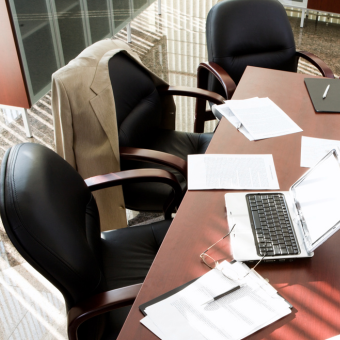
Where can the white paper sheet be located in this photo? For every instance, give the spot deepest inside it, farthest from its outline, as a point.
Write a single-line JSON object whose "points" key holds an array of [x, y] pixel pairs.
{"points": [[319, 198], [231, 172], [337, 337], [234, 316], [262, 118], [314, 149], [225, 111], [148, 323]]}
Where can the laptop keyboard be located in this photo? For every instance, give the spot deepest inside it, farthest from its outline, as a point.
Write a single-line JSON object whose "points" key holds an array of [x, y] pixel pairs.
{"points": [[271, 224]]}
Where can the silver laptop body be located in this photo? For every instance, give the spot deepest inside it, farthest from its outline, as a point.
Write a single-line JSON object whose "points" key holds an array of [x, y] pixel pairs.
{"points": [[313, 204]]}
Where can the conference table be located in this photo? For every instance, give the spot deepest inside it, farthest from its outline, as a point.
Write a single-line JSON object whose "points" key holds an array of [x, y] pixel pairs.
{"points": [[312, 285]]}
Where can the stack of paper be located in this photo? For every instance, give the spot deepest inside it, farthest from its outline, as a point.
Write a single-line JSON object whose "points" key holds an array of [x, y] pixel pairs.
{"points": [[185, 315], [252, 172], [257, 118]]}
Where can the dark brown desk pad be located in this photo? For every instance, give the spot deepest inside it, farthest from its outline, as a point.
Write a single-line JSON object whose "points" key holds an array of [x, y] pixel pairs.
{"points": [[316, 89]]}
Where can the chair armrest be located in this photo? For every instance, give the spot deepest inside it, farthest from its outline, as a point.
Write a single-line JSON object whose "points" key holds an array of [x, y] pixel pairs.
{"points": [[317, 62], [201, 95], [221, 75], [153, 156], [141, 176], [229, 86], [191, 92], [99, 304]]}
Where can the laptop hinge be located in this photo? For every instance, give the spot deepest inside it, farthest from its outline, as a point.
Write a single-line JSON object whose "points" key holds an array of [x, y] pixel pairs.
{"points": [[303, 226]]}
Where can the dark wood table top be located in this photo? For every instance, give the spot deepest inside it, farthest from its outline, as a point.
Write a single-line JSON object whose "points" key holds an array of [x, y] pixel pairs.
{"points": [[311, 285]]}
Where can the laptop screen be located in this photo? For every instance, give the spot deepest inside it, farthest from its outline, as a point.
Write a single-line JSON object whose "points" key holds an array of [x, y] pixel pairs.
{"points": [[319, 197]]}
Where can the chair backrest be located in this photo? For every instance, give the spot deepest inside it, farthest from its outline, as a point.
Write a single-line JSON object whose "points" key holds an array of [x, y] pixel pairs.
{"points": [[249, 32], [138, 105], [52, 219]]}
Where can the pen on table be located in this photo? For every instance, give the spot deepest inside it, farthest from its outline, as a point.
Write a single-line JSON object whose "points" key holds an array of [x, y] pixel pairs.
{"points": [[239, 126], [326, 91], [221, 295]]}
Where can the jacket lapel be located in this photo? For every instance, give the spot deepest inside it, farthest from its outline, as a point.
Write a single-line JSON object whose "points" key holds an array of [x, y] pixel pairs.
{"points": [[104, 107], [103, 104]]}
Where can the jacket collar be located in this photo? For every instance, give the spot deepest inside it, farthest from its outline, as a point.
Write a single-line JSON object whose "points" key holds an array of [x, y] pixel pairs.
{"points": [[102, 77]]}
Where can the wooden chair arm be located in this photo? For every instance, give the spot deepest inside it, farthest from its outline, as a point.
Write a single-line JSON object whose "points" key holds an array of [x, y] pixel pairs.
{"points": [[317, 62], [191, 92], [99, 304], [154, 156], [203, 71], [221, 75], [201, 95], [141, 176]]}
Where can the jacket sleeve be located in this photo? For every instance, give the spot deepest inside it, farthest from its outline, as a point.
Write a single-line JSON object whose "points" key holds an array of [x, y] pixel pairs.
{"points": [[62, 119]]}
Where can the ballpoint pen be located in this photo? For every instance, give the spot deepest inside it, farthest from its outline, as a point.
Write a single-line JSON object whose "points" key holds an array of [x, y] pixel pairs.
{"points": [[326, 91], [221, 295], [239, 126]]}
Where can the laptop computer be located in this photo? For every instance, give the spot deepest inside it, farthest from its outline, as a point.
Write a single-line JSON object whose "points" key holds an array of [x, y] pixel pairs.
{"points": [[288, 224]]}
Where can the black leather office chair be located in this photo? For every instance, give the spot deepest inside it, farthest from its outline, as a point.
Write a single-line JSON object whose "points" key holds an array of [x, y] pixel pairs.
{"points": [[139, 112], [248, 32], [52, 219]]}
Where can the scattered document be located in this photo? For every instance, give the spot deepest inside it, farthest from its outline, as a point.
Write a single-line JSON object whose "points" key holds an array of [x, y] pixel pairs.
{"points": [[337, 337], [225, 111], [314, 149], [260, 118], [148, 323], [234, 316], [251, 172]]}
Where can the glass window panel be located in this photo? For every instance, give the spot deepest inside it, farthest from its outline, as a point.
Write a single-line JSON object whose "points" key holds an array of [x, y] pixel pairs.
{"points": [[137, 4], [71, 27], [121, 11], [39, 55], [99, 18]]}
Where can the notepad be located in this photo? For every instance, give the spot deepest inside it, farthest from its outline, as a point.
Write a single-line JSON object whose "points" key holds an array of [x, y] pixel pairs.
{"points": [[316, 88], [234, 316]]}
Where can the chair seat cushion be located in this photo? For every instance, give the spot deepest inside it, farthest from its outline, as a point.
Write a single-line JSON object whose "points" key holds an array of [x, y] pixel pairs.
{"points": [[114, 323], [151, 196], [127, 256], [128, 253], [180, 143]]}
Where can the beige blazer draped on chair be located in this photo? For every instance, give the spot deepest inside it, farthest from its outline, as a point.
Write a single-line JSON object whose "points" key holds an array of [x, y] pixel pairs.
{"points": [[85, 124]]}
